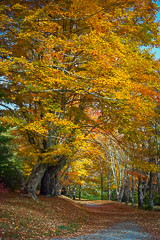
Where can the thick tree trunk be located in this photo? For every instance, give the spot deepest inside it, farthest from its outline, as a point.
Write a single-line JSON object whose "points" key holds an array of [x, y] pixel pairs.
{"points": [[50, 183], [31, 185]]}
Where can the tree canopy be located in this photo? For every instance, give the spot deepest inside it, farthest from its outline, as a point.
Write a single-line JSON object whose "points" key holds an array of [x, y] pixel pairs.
{"points": [[70, 67]]}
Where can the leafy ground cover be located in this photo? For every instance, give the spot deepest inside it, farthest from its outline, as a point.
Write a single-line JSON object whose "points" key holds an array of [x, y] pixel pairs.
{"points": [[23, 218]]}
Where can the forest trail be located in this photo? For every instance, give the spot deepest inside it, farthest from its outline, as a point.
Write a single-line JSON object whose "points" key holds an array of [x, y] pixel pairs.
{"points": [[110, 220], [64, 218]]}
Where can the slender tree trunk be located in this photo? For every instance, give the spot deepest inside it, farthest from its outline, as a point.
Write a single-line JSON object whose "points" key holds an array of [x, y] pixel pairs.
{"points": [[141, 192], [150, 184], [158, 182], [80, 190], [151, 202], [120, 192], [109, 191], [59, 188], [74, 192], [158, 175], [127, 188], [101, 186], [69, 192], [132, 192], [108, 184]]}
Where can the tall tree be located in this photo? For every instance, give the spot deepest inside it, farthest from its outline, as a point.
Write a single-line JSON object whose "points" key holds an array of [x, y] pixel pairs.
{"points": [[58, 59]]}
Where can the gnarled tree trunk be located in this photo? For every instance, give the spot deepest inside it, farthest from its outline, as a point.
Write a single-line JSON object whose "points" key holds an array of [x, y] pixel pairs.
{"points": [[50, 183], [31, 184]]}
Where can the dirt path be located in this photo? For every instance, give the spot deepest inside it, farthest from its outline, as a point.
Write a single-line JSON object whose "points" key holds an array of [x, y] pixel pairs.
{"points": [[61, 217], [110, 220], [122, 231]]}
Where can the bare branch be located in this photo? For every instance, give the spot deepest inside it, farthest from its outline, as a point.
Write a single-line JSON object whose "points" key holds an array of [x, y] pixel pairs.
{"points": [[68, 18], [10, 109]]}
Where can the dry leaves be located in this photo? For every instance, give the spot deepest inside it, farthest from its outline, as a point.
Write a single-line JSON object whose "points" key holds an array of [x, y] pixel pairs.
{"points": [[23, 218]]}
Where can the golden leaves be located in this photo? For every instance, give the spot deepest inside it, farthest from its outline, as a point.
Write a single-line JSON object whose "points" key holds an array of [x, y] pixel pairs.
{"points": [[56, 56]]}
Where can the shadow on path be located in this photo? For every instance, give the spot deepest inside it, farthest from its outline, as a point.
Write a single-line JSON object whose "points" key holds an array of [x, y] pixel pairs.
{"points": [[121, 231]]}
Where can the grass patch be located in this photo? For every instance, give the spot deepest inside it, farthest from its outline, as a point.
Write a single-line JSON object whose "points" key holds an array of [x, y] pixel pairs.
{"points": [[70, 228]]}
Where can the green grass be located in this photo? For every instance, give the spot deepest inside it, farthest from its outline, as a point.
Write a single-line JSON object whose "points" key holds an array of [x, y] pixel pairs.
{"points": [[70, 228]]}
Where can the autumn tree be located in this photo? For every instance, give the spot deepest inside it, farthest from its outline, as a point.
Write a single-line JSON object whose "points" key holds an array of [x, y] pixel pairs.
{"points": [[61, 58]]}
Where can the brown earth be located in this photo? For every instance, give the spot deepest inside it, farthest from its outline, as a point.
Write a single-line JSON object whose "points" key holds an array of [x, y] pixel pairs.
{"points": [[23, 218]]}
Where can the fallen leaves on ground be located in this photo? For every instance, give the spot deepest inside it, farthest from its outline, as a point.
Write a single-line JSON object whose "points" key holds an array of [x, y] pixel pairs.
{"points": [[52, 217]]}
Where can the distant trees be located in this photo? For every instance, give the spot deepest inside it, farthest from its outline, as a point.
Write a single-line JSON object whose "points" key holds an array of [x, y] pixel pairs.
{"points": [[9, 164], [108, 168]]}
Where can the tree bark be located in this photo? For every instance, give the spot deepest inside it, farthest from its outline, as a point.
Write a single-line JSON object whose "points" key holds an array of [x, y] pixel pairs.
{"points": [[141, 192], [132, 192], [127, 183], [101, 186], [120, 192], [74, 192], [31, 185], [80, 190], [108, 184], [69, 192], [50, 183], [151, 203], [158, 182]]}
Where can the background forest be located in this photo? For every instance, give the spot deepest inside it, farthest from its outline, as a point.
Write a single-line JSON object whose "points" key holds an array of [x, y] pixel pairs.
{"points": [[79, 99]]}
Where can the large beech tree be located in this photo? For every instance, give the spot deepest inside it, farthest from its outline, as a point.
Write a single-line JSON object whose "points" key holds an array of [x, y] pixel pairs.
{"points": [[60, 58]]}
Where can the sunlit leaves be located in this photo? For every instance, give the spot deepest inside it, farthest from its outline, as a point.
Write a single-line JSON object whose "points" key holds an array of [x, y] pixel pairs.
{"points": [[73, 67]]}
